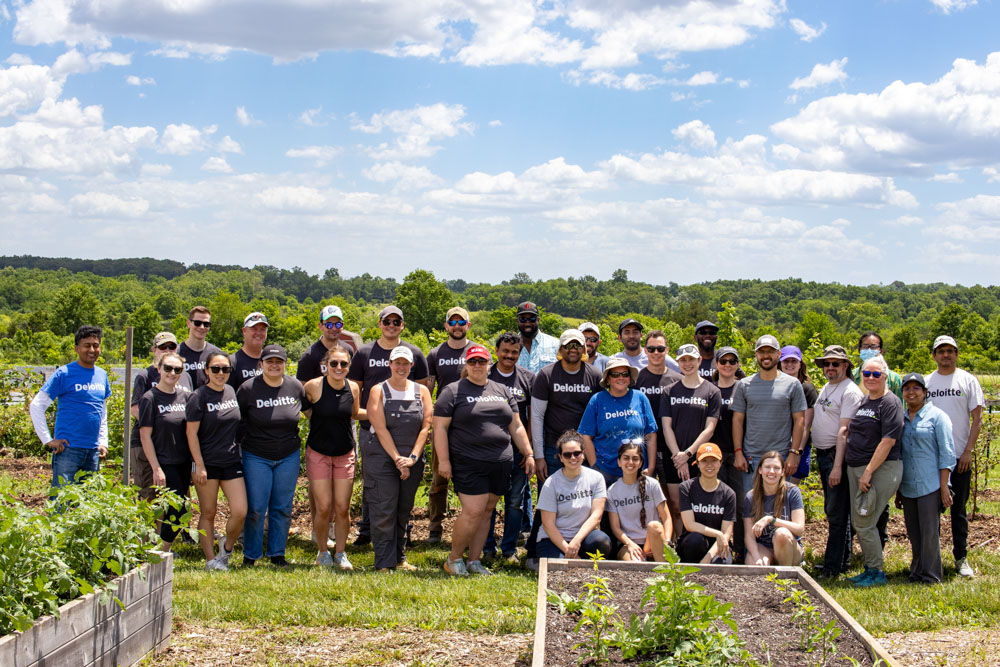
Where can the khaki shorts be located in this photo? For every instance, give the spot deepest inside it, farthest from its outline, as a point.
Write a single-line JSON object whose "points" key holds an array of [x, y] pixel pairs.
{"points": [[142, 473]]}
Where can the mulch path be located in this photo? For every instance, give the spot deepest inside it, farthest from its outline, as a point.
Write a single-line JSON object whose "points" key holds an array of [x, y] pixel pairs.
{"points": [[761, 618]]}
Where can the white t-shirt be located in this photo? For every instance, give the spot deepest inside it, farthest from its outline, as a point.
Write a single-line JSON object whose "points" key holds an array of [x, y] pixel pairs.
{"points": [[958, 394], [570, 499], [835, 402], [623, 499]]}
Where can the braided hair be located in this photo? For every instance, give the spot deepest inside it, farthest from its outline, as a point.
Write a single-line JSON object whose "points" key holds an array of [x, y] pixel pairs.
{"points": [[622, 450]]}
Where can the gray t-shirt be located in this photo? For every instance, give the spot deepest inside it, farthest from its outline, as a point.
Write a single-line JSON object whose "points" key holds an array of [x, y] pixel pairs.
{"points": [[623, 499], [768, 406], [570, 499]]}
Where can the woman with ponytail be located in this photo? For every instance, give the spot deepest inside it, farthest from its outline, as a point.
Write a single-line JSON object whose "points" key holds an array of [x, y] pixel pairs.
{"points": [[632, 502]]}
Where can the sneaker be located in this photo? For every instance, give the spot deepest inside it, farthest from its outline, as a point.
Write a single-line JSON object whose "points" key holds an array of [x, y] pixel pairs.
{"points": [[216, 564], [823, 574], [384, 570], [362, 539], [408, 540], [476, 567], [279, 561], [456, 568], [861, 577], [223, 555], [531, 564], [511, 558], [522, 538], [330, 544], [406, 566], [248, 562], [964, 569], [324, 558], [434, 537], [340, 560], [875, 578]]}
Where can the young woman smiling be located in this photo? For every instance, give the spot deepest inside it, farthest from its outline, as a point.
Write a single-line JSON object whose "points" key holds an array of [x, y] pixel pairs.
{"points": [[774, 516], [637, 509]]}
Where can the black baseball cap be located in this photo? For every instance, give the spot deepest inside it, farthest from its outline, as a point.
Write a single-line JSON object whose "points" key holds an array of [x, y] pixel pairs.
{"points": [[527, 307], [628, 322], [272, 351], [705, 324]]}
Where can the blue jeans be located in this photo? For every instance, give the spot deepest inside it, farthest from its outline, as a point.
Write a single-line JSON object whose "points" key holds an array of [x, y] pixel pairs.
{"points": [[596, 541], [513, 511], [72, 460], [270, 488]]}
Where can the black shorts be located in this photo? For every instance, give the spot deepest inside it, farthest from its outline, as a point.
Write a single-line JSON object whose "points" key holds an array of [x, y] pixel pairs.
{"points": [[178, 477], [667, 471], [475, 477], [224, 473]]}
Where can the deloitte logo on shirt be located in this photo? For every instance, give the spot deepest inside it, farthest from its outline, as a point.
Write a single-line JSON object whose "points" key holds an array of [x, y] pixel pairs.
{"points": [[276, 402], [174, 407], [865, 412], [708, 509], [90, 386], [658, 389], [457, 361], [621, 413], [570, 388], [250, 373], [220, 406], [576, 495], [625, 502], [485, 399], [942, 393], [727, 401], [196, 366], [374, 363], [689, 400]]}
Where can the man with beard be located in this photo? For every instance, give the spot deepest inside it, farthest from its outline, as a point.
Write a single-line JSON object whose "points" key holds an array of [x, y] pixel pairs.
{"points": [[768, 413], [630, 335], [705, 336], [592, 336], [246, 360], [331, 324], [538, 349], [445, 363], [653, 380]]}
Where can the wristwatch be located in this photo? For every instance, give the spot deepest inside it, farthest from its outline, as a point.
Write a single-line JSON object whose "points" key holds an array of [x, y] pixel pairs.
{"points": [[797, 452], [413, 457]]}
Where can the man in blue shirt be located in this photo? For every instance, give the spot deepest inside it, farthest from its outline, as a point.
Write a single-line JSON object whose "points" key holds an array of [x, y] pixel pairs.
{"points": [[538, 349], [82, 389]]}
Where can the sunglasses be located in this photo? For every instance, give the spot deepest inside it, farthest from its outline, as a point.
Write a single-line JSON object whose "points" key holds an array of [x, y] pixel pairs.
{"points": [[167, 346], [338, 364], [392, 323], [656, 348], [476, 361], [830, 364], [333, 325], [592, 339], [201, 323], [728, 362], [872, 374], [619, 374], [176, 370], [221, 369], [573, 346], [572, 455], [527, 318], [457, 323]]}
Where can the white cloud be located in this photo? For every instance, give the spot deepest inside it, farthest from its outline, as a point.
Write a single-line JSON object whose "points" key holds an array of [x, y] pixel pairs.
{"points": [[821, 75], [991, 174], [320, 155], [695, 133], [806, 32], [25, 86], [19, 59], [905, 221], [416, 129], [950, 177], [133, 80], [218, 165], [608, 79], [292, 199], [406, 177], [495, 123], [228, 145], [702, 79], [949, 6], [184, 139], [244, 118], [311, 117], [101, 204]]}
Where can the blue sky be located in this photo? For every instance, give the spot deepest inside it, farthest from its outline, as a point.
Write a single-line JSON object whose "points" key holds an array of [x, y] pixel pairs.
{"points": [[856, 141]]}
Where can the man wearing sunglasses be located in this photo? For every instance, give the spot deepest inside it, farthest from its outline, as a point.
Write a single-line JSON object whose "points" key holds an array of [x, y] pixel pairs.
{"points": [[196, 349], [836, 405], [246, 360], [444, 364], [959, 394], [538, 348], [705, 336], [331, 326], [592, 336]]}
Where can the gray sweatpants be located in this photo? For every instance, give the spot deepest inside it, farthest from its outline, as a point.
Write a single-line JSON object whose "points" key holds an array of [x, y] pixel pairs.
{"points": [[390, 500], [885, 481]]}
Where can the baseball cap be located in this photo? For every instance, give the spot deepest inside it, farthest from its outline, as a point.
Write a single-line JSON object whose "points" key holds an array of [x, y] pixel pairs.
{"points": [[944, 340], [273, 350], [705, 324], [164, 337], [688, 350], [401, 352], [477, 352], [709, 450], [390, 310], [790, 352], [527, 307], [589, 326], [330, 311], [914, 377], [570, 335], [457, 310], [723, 351], [627, 322], [254, 318], [767, 340]]}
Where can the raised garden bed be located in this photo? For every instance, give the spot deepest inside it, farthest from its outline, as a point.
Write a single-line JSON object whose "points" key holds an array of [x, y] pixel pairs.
{"points": [[88, 633], [763, 622]]}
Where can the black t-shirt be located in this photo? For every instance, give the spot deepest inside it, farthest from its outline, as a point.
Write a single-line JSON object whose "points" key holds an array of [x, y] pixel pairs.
{"points": [[706, 367], [371, 366], [480, 419], [146, 380], [567, 395], [194, 362], [710, 508], [270, 417], [811, 396], [219, 417], [165, 414], [445, 363], [723, 435], [244, 368], [874, 420], [311, 361], [519, 384], [653, 386], [331, 432], [689, 409]]}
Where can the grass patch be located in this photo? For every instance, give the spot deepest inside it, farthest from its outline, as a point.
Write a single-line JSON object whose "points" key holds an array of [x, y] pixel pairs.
{"points": [[23, 485]]}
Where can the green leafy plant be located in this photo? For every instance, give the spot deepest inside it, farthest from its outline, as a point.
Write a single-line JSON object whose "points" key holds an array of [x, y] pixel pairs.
{"points": [[597, 618], [813, 634]]}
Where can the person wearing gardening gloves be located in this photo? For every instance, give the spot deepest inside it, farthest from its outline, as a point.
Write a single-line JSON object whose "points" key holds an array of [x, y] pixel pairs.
{"points": [[708, 511]]}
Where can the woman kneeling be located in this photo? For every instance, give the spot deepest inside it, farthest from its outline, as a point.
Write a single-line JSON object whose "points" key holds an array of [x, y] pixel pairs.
{"points": [[774, 516], [632, 499]]}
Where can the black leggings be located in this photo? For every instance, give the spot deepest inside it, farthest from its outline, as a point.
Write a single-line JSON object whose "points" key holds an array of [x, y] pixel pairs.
{"points": [[178, 479]]}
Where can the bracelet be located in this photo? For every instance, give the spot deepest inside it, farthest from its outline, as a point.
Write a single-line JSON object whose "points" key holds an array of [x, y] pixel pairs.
{"points": [[737, 449]]}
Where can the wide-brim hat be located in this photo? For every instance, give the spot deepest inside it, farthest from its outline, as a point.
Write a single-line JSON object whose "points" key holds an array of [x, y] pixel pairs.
{"points": [[834, 353], [618, 362]]}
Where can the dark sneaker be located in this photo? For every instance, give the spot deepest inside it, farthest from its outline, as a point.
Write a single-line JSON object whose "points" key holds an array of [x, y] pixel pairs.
{"points": [[279, 561], [362, 540], [875, 578], [434, 537], [248, 562]]}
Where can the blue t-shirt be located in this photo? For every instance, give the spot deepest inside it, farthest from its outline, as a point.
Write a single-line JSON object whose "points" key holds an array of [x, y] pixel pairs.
{"points": [[612, 421], [81, 393]]}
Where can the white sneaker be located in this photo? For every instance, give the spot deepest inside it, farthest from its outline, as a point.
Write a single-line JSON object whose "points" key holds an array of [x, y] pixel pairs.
{"points": [[476, 567], [456, 568], [340, 560], [223, 556], [216, 564], [964, 569], [324, 558]]}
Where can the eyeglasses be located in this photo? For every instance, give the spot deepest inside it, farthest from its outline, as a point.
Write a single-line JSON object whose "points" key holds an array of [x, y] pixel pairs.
{"points": [[338, 364], [591, 339], [728, 362], [167, 346], [573, 345], [392, 323], [221, 369], [572, 455], [656, 348], [876, 346], [872, 374], [476, 361], [201, 323], [619, 374], [457, 323], [176, 370], [333, 325], [913, 386], [830, 364], [527, 318]]}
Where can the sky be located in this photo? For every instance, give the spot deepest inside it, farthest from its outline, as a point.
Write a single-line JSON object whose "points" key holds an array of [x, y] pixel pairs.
{"points": [[682, 140]]}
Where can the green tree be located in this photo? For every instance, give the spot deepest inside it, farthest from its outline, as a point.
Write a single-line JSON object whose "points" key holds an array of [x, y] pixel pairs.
{"points": [[424, 301], [146, 323], [72, 307], [227, 319], [949, 321], [811, 325]]}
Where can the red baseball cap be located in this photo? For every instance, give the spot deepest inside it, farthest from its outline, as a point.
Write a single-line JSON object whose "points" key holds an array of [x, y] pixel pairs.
{"points": [[477, 352]]}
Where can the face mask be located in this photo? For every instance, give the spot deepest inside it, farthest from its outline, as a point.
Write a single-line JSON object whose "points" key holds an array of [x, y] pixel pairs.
{"points": [[866, 355]]}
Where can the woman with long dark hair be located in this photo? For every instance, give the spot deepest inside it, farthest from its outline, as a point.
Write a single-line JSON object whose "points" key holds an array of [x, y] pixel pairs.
{"points": [[637, 510]]}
